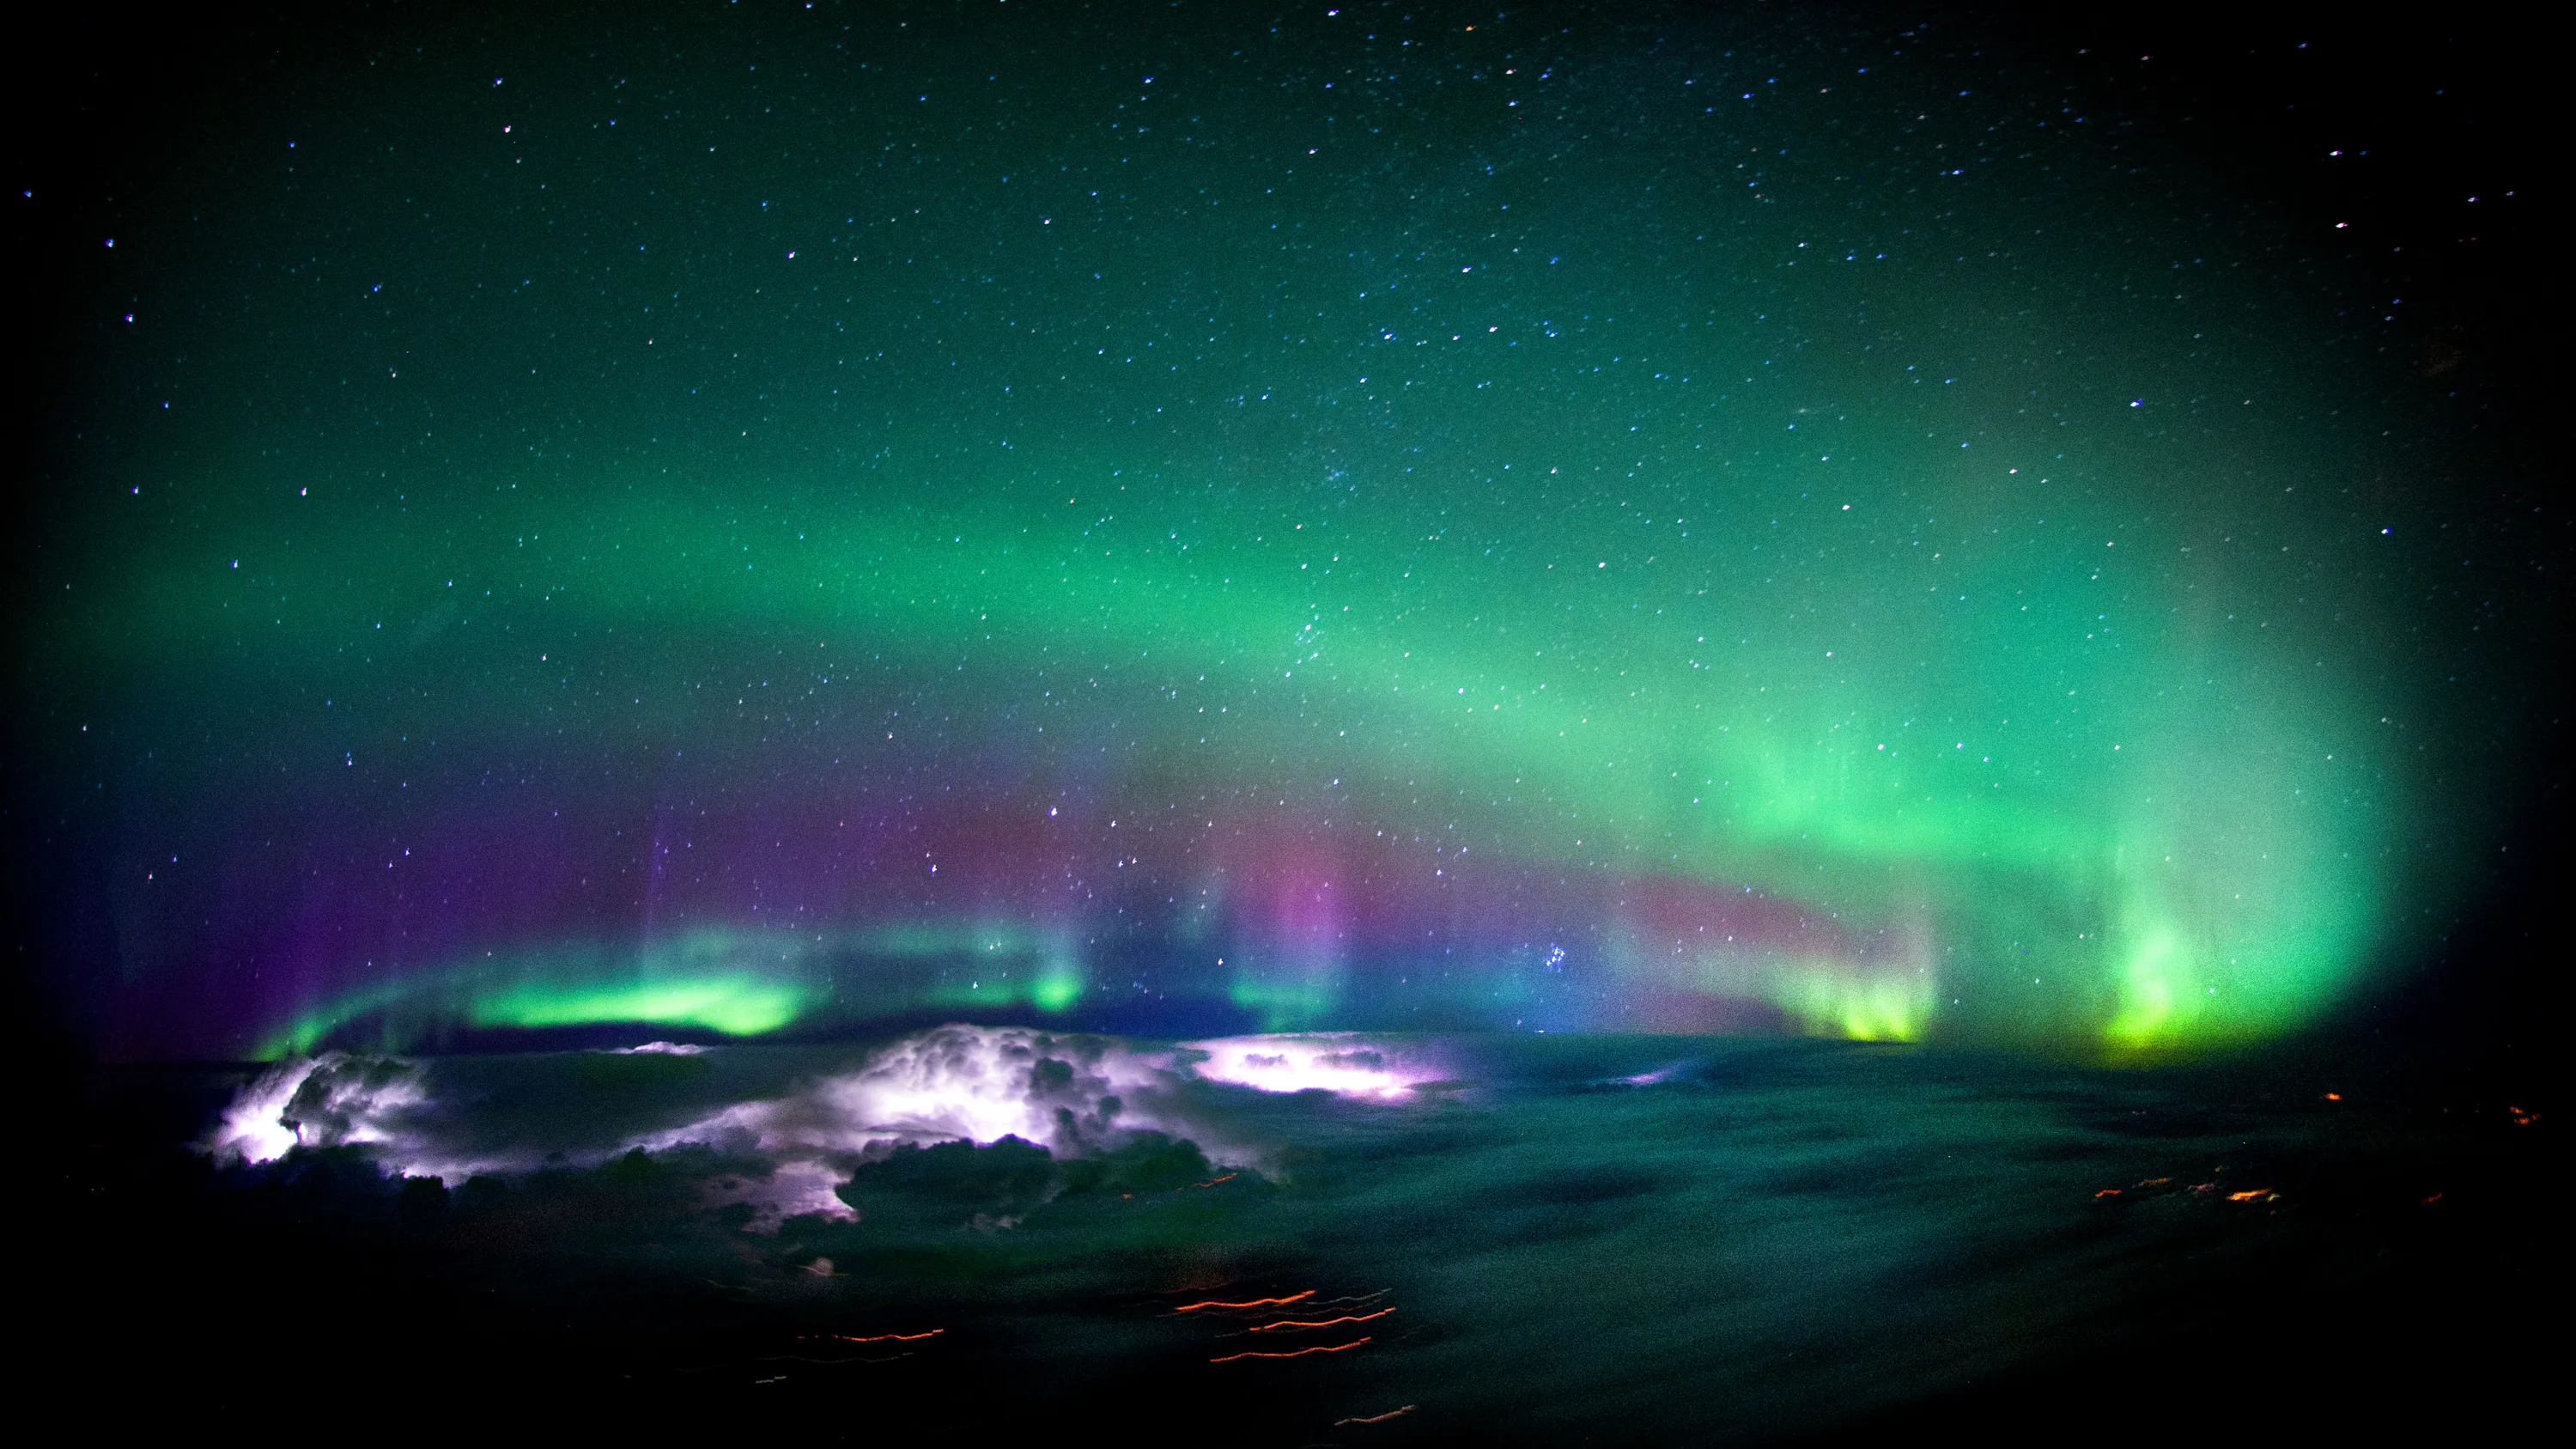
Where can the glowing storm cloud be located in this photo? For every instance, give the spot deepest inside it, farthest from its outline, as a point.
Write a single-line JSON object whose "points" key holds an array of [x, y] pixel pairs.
{"points": [[1344, 1064], [1075, 1095]]}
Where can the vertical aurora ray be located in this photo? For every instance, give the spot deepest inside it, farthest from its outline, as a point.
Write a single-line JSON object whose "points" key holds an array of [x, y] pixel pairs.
{"points": [[1609, 560]]}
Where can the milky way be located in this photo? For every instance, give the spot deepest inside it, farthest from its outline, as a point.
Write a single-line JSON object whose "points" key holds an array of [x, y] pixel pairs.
{"points": [[790, 521]]}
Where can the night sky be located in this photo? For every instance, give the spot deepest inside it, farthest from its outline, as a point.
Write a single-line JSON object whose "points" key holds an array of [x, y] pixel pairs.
{"points": [[771, 519]]}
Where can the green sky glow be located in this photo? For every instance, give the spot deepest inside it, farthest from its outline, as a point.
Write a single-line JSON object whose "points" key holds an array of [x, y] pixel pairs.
{"points": [[1982, 557]]}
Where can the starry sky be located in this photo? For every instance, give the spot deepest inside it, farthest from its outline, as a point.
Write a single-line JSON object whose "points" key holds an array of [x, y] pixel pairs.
{"points": [[774, 519]]}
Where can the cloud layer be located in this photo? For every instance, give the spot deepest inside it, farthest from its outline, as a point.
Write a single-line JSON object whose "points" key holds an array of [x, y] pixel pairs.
{"points": [[797, 1141]]}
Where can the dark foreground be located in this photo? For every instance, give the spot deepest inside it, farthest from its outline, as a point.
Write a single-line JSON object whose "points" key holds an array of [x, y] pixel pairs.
{"points": [[1565, 1241]]}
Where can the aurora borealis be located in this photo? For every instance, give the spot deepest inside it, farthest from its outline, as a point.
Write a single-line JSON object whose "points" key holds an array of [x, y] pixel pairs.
{"points": [[769, 520], [1619, 722]]}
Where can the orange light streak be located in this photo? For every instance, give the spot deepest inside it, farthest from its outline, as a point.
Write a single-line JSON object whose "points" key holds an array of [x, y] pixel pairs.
{"points": [[1377, 1418], [1322, 1322], [884, 1337], [1295, 1353], [1211, 1182], [1248, 1303], [2108, 1192], [2252, 1193]]}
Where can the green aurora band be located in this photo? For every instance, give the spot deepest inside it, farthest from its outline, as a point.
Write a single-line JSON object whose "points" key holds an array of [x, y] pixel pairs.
{"points": [[1987, 562]]}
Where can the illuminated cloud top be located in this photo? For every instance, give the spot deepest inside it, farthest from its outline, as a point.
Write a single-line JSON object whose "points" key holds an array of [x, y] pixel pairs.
{"points": [[799, 1136]]}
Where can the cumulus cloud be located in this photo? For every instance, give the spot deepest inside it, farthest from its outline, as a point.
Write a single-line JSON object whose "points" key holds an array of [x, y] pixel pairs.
{"points": [[1073, 1095], [975, 1084], [1077, 1096], [1343, 1063], [333, 1100]]}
